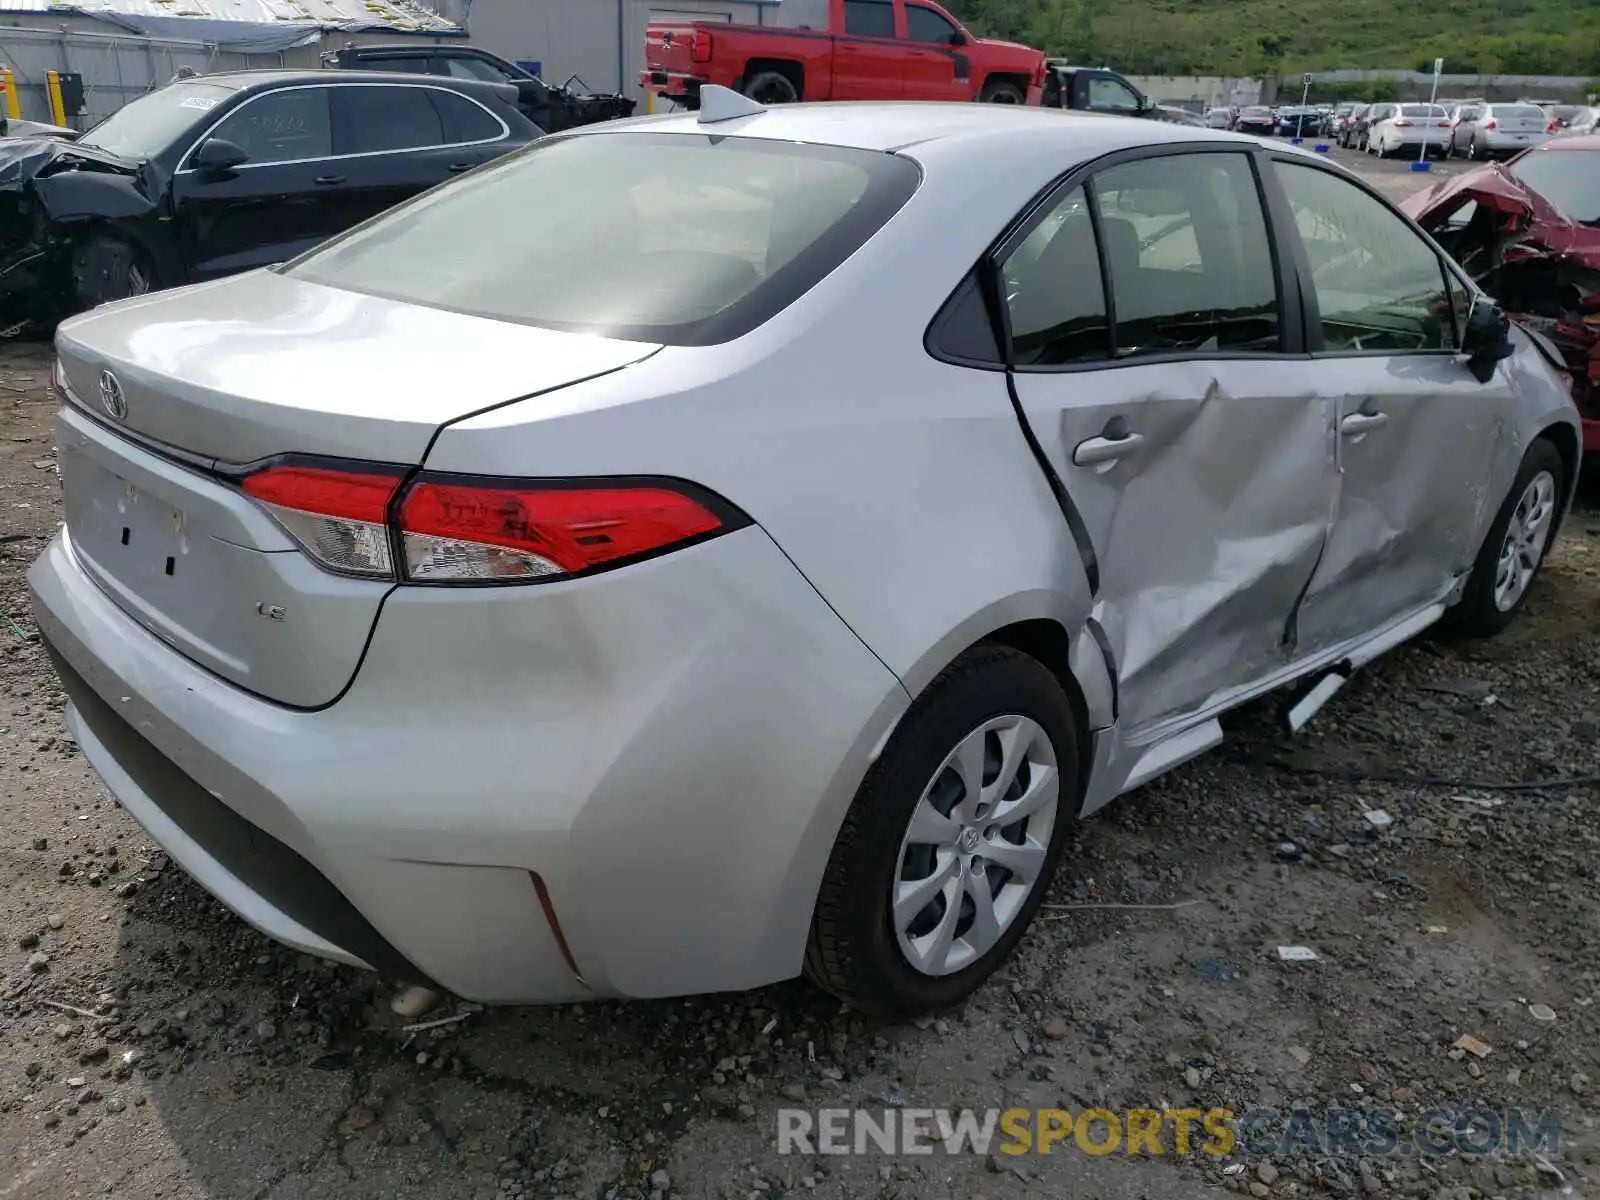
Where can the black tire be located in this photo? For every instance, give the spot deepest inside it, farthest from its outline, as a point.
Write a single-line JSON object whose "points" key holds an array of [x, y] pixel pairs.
{"points": [[1477, 615], [106, 267], [854, 951], [1001, 91], [1473, 153], [771, 87]]}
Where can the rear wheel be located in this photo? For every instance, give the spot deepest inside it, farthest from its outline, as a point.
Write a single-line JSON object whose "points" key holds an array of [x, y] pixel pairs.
{"points": [[771, 87], [1514, 549], [106, 267], [1001, 91], [948, 849]]}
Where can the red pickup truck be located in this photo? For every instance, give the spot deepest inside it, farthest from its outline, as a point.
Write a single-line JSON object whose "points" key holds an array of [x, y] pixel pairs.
{"points": [[857, 50]]}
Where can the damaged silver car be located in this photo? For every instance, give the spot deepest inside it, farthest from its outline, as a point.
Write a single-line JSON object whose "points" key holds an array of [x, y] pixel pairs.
{"points": [[757, 563]]}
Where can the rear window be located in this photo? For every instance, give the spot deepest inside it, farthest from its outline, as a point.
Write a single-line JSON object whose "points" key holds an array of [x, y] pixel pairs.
{"points": [[1422, 110], [673, 238], [1569, 179], [1528, 112]]}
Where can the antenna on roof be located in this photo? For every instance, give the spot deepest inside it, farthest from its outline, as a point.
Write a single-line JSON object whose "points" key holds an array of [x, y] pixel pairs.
{"points": [[718, 103]]}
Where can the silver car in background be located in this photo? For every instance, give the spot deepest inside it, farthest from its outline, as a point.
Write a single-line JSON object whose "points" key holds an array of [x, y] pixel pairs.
{"points": [[1485, 131], [756, 563]]}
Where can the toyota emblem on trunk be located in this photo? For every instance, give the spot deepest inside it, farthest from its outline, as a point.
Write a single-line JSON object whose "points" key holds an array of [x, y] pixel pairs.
{"points": [[111, 397]]}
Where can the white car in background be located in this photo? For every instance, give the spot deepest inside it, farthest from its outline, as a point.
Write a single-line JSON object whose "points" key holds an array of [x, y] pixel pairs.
{"points": [[1411, 127], [1219, 118]]}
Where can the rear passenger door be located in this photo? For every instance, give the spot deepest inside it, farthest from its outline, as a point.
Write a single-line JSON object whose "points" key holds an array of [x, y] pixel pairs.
{"points": [[869, 57], [396, 140], [1156, 362]]}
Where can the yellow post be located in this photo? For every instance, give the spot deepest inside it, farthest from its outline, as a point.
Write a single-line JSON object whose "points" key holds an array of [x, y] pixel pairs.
{"points": [[58, 107], [8, 94], [650, 103]]}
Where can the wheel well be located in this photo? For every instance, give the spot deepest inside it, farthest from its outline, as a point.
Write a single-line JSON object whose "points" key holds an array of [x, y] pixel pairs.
{"points": [[1049, 643], [1021, 81], [1567, 444], [792, 71]]}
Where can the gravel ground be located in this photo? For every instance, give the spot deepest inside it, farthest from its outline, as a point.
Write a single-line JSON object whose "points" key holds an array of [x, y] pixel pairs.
{"points": [[203, 1061]]}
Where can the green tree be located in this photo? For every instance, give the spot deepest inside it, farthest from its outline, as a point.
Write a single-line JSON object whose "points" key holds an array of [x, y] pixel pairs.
{"points": [[1383, 90]]}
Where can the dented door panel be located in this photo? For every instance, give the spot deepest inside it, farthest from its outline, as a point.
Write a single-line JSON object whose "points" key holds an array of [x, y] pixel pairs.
{"points": [[1419, 440], [1206, 530]]}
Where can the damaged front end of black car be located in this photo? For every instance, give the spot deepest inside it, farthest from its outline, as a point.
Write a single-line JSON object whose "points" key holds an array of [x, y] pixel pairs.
{"points": [[56, 200]]}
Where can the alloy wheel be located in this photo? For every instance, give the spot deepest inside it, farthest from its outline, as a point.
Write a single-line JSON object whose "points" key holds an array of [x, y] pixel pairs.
{"points": [[976, 845], [1527, 537]]}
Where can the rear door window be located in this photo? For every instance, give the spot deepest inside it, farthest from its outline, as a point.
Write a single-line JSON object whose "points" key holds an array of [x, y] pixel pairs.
{"points": [[1055, 295], [378, 118], [869, 18], [1188, 256]]}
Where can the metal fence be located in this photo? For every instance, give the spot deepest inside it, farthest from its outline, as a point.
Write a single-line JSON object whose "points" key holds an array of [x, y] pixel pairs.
{"points": [[115, 68]]}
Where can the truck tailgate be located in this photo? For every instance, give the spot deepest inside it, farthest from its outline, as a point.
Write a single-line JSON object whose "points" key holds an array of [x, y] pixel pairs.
{"points": [[669, 47]]}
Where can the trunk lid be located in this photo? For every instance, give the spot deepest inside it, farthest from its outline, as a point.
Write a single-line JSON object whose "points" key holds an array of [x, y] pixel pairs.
{"points": [[292, 367], [245, 368]]}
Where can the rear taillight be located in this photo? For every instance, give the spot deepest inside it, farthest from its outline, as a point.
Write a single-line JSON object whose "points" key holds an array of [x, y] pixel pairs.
{"points": [[352, 520], [700, 49], [1491, 124], [463, 531], [339, 516], [1555, 126], [1402, 121]]}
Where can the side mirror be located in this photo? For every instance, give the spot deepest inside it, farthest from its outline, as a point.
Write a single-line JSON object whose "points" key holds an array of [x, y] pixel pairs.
{"points": [[958, 38], [219, 154], [1487, 339]]}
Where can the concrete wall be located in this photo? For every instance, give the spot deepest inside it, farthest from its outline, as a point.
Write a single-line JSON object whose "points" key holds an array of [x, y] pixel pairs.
{"points": [[1199, 90], [600, 41]]}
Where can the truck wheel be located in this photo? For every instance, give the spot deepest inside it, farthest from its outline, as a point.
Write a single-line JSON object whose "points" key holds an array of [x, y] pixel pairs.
{"points": [[771, 87], [1001, 91]]}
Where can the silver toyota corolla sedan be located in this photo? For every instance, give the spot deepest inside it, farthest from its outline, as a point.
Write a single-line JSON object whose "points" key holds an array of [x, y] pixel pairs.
{"points": [[703, 549]]}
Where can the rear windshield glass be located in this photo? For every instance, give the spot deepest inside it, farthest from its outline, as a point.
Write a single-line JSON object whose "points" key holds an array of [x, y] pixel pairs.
{"points": [[145, 127], [1257, 112], [676, 238], [1422, 110], [1520, 111], [1569, 179]]}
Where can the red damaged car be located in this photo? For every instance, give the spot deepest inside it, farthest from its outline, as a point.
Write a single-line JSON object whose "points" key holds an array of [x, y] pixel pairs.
{"points": [[1528, 230]]}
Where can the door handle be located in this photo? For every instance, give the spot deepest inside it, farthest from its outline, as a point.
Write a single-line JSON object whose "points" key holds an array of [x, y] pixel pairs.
{"points": [[458, 168], [329, 180], [1362, 422], [1097, 451]]}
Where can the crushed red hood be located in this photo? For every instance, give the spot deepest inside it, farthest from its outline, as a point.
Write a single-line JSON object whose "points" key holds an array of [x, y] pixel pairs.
{"points": [[1546, 230]]}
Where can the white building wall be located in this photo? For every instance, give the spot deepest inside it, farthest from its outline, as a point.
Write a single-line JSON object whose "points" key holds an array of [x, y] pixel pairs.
{"points": [[601, 41]]}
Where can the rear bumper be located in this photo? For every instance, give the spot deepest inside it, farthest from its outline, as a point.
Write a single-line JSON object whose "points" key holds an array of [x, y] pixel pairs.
{"points": [[668, 750], [1506, 143]]}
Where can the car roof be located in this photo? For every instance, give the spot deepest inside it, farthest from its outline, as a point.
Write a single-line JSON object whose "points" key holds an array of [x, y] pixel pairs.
{"points": [[900, 125], [258, 78]]}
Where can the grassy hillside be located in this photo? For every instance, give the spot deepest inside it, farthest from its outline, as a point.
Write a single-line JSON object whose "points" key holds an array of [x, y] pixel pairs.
{"points": [[1258, 37]]}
